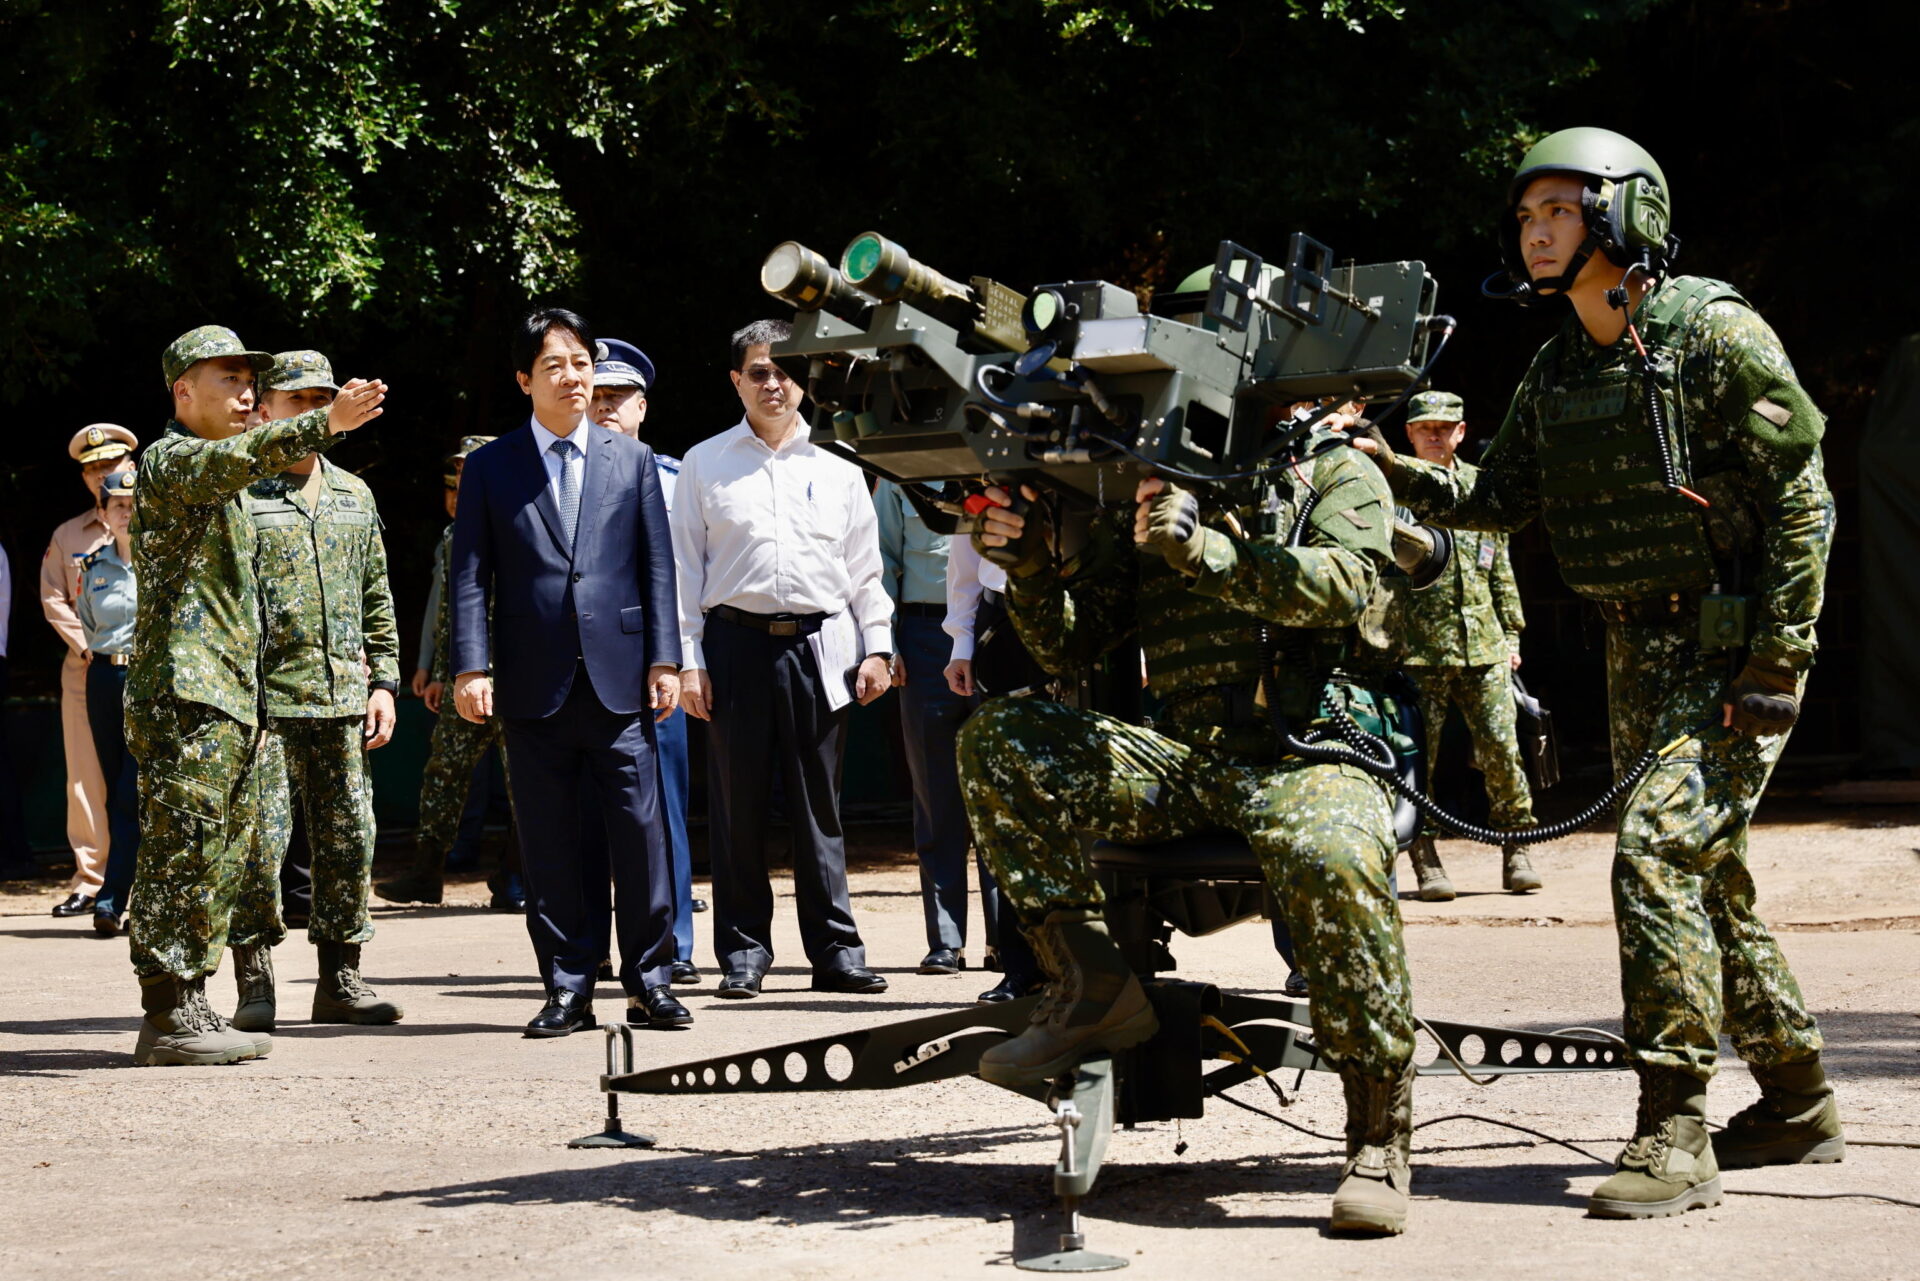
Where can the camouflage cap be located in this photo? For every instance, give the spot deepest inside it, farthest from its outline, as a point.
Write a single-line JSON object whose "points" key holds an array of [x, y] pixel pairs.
{"points": [[206, 343], [98, 442], [118, 485], [466, 446], [1436, 406], [298, 371]]}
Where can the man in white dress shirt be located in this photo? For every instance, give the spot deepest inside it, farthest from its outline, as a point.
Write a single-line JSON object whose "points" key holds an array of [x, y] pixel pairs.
{"points": [[772, 538]]}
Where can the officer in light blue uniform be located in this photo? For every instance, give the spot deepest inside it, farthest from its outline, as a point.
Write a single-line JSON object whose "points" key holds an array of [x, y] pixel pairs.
{"points": [[622, 375], [106, 605]]}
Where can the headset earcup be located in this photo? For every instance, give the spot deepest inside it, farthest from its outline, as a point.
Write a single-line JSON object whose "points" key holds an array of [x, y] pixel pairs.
{"points": [[1644, 217]]}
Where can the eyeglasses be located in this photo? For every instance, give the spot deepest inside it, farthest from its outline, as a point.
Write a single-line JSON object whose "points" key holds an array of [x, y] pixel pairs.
{"points": [[765, 373]]}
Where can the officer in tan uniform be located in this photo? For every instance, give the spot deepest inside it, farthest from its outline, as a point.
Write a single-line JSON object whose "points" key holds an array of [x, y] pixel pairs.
{"points": [[101, 450]]}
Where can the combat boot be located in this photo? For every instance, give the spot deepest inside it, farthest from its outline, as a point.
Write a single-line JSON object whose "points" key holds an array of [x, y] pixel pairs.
{"points": [[342, 995], [181, 1028], [1667, 1168], [1435, 887], [423, 882], [1091, 1002], [1516, 872], [1794, 1122], [253, 975], [1378, 1176]]}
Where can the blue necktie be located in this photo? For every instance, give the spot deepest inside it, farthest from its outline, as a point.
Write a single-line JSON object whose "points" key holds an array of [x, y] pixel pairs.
{"points": [[564, 450]]}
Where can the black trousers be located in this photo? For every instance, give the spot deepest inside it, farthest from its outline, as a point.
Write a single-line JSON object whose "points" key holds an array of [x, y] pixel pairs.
{"points": [[107, 718], [769, 715], [569, 908]]}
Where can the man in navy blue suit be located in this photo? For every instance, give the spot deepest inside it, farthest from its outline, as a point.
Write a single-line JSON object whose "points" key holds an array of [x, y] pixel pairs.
{"points": [[561, 539]]}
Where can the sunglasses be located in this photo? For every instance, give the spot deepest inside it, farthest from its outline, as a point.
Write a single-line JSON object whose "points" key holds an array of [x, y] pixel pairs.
{"points": [[765, 373]]}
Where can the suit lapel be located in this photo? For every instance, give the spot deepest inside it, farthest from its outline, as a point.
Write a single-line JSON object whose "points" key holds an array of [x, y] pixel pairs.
{"points": [[536, 472], [599, 443]]}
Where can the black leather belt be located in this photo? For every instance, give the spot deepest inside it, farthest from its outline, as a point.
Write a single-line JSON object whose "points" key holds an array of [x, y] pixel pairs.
{"points": [[1671, 607], [989, 596], [921, 609], [771, 624], [114, 660]]}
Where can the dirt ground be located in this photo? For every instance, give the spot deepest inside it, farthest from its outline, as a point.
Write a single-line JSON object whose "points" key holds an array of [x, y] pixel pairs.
{"points": [[436, 1147]]}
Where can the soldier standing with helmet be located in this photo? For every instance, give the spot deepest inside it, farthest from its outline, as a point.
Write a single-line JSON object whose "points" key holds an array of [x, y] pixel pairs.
{"points": [[1665, 441], [101, 449], [1463, 640], [193, 688]]}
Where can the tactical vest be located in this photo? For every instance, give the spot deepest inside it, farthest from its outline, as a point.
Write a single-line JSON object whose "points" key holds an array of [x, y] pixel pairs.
{"points": [[1617, 531], [1205, 658]]}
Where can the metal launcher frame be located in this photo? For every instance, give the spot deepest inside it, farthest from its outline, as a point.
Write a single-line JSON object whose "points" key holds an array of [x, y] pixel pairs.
{"points": [[1209, 1040]]}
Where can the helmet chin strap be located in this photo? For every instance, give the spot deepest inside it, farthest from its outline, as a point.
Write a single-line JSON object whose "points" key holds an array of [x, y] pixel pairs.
{"points": [[1529, 291]]}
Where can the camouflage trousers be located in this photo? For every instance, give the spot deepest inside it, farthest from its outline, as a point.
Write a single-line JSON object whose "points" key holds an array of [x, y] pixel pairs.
{"points": [[1484, 695], [199, 772], [1694, 956], [320, 763], [452, 755], [1036, 774]]}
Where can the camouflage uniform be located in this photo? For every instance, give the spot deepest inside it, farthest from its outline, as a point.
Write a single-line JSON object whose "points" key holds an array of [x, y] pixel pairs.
{"points": [[457, 746], [1461, 631], [193, 689], [1036, 773], [1576, 450], [328, 619]]}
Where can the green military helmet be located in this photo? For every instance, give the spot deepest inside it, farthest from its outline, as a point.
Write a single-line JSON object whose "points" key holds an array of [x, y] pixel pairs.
{"points": [[1627, 206]]}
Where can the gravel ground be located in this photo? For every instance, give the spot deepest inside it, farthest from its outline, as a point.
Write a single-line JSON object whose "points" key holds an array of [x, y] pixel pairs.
{"points": [[435, 1147]]}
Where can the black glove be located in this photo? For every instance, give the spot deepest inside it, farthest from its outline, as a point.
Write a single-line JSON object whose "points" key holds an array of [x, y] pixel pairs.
{"points": [[1766, 700], [1031, 554], [1173, 528]]}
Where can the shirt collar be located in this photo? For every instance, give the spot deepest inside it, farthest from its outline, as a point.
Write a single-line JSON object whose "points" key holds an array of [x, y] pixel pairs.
{"points": [[743, 433], [543, 439]]}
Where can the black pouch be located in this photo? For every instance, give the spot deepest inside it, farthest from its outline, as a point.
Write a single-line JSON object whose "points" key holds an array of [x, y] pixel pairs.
{"points": [[1533, 725], [1001, 663]]}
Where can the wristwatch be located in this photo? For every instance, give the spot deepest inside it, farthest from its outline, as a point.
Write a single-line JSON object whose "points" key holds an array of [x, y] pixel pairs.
{"points": [[392, 687]]}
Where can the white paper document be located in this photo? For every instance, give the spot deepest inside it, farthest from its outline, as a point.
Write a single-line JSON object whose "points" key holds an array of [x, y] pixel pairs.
{"points": [[837, 650]]}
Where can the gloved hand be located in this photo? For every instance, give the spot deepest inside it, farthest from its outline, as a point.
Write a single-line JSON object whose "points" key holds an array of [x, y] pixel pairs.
{"points": [[1023, 530], [1763, 700], [1168, 520], [1369, 439]]}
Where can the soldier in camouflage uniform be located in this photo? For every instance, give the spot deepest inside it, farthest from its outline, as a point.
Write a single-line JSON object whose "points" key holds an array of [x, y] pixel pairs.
{"points": [[1463, 640], [193, 687], [457, 747], [1729, 500], [1036, 773], [330, 667]]}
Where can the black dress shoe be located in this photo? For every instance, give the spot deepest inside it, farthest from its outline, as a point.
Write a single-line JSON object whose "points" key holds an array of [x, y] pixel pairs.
{"points": [[106, 924], [699, 905], [564, 1013], [1296, 985], [740, 984], [1010, 988], [658, 1009], [74, 904], [942, 960], [683, 973], [855, 981], [510, 896]]}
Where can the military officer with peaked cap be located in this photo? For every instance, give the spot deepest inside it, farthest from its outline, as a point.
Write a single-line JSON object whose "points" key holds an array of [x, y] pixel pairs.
{"points": [[622, 377], [101, 449], [193, 688]]}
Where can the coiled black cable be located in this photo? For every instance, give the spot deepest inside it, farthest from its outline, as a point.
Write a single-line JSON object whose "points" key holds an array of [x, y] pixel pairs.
{"points": [[1357, 748]]}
